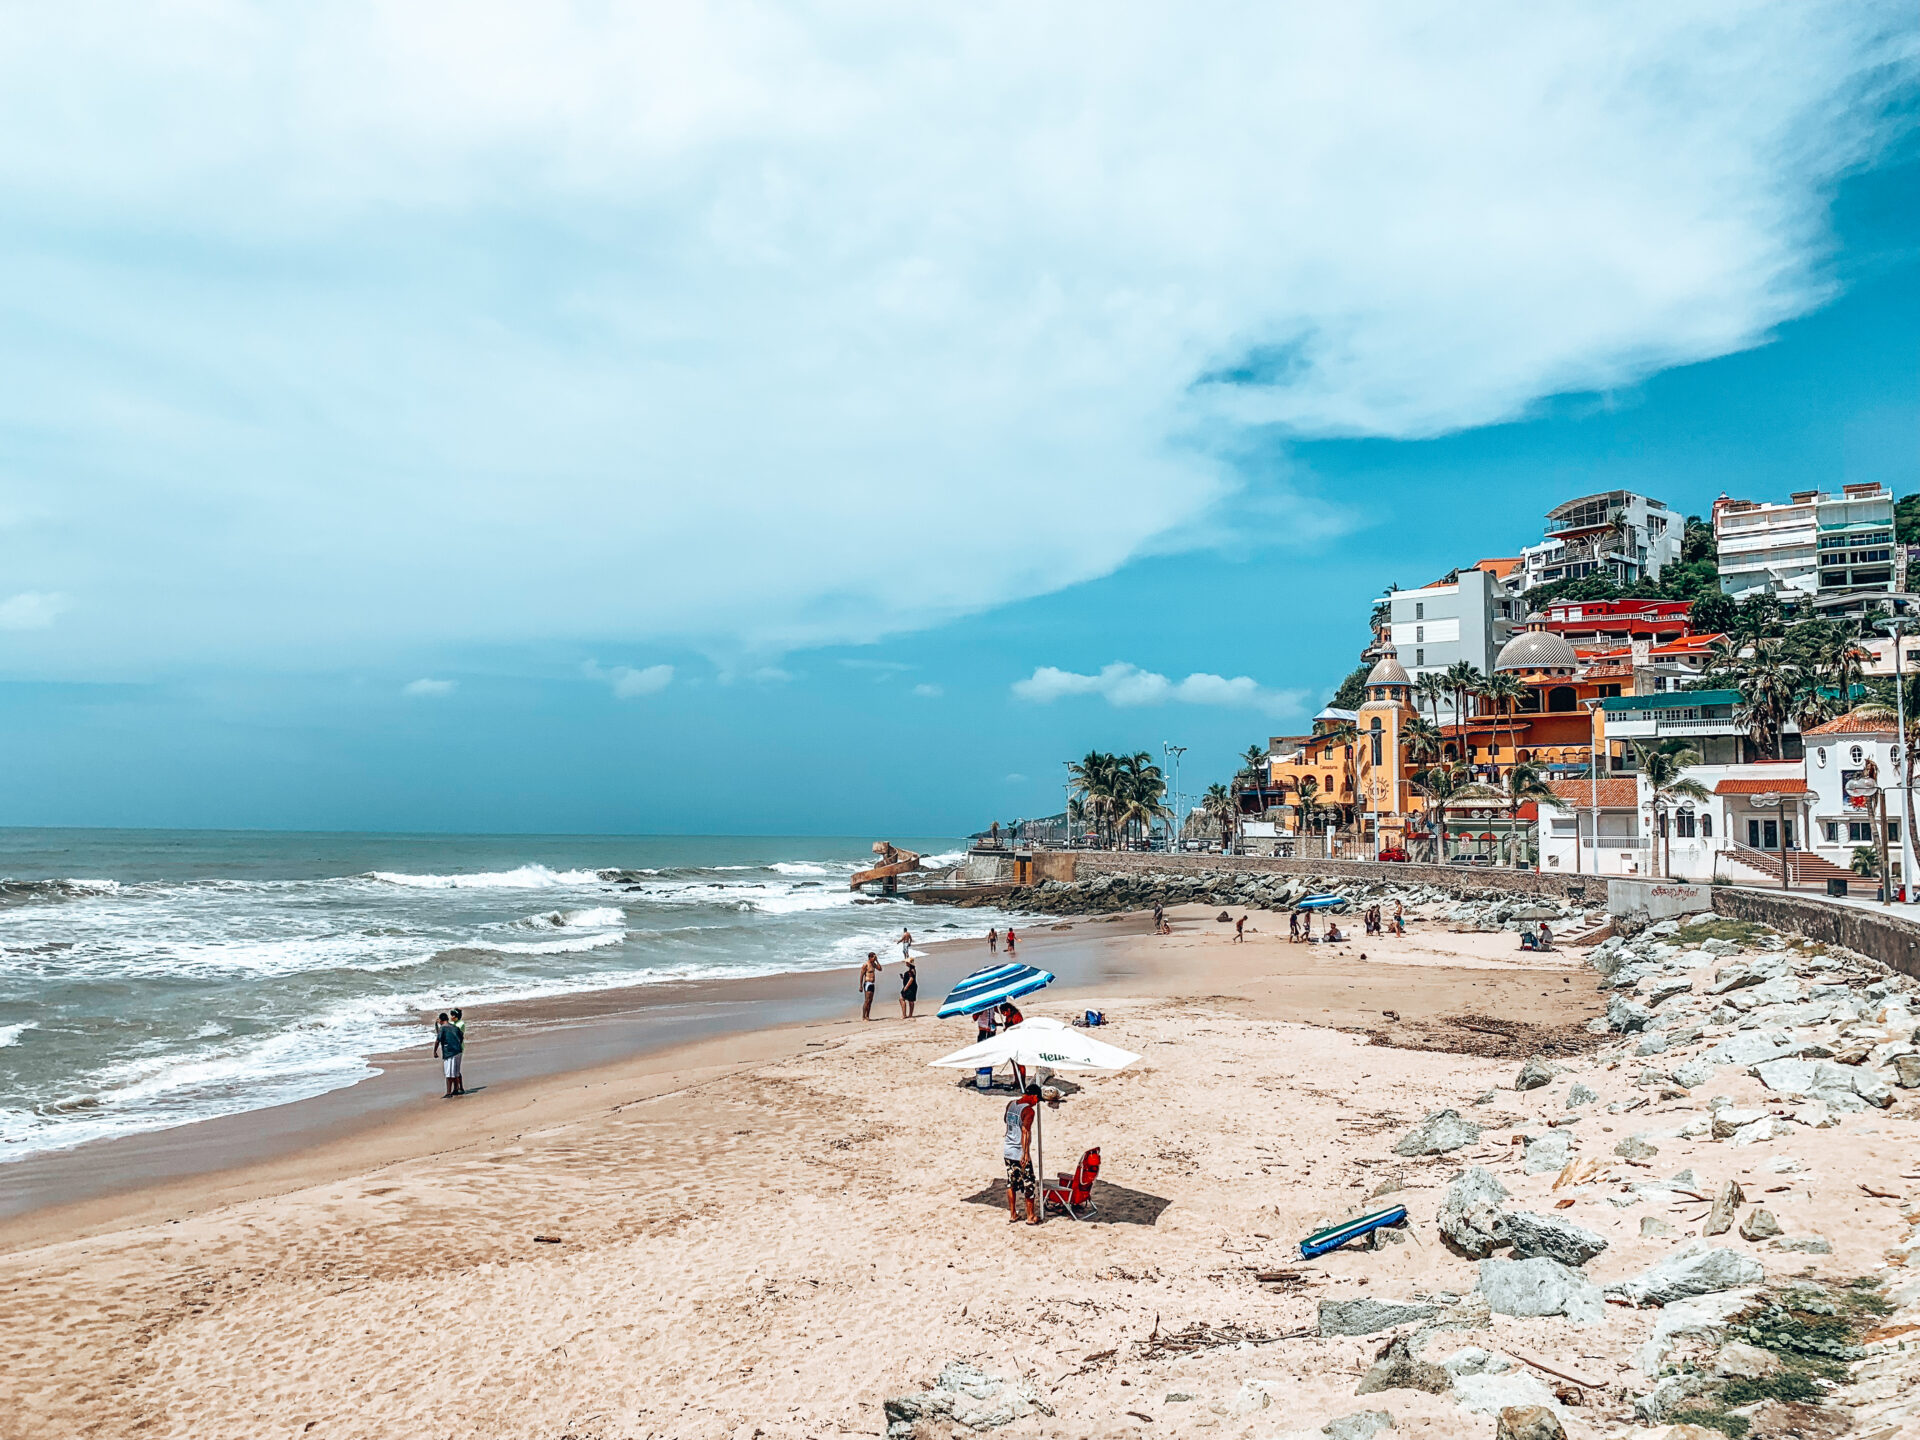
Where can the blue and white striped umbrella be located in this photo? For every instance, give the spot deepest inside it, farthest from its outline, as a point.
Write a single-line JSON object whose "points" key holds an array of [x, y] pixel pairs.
{"points": [[1321, 902], [986, 988]]}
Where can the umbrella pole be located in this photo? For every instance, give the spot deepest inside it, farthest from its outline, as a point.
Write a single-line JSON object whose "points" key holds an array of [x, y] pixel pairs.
{"points": [[1039, 1166]]}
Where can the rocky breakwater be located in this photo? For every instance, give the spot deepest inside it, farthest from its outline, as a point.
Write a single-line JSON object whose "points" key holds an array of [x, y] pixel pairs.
{"points": [[1266, 890]]}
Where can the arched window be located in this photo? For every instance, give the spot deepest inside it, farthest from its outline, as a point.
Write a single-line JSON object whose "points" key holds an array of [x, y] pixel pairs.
{"points": [[1706, 827], [1560, 698], [1376, 740], [1683, 824]]}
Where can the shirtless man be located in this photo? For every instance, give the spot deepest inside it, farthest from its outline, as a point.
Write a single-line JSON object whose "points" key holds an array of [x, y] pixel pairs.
{"points": [[869, 980]]}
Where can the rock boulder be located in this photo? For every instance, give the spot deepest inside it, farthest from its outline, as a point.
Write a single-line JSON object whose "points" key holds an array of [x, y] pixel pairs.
{"points": [[1553, 1236], [1470, 1220]]}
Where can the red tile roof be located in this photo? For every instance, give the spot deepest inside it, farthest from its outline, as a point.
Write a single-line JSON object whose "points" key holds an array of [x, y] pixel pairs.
{"points": [[1782, 786], [1853, 723], [1615, 793]]}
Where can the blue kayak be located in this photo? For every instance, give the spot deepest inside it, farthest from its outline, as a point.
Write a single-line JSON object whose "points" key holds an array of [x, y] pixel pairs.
{"points": [[984, 989]]}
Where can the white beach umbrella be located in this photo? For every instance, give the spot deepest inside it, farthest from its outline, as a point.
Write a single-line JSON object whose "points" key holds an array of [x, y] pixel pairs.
{"points": [[1034, 1043]]}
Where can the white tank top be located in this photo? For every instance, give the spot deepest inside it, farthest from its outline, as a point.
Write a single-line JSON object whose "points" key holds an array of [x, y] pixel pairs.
{"points": [[1016, 1109]]}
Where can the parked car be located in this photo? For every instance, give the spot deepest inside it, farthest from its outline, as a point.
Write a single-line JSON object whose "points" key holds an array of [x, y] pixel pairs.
{"points": [[1393, 853]]}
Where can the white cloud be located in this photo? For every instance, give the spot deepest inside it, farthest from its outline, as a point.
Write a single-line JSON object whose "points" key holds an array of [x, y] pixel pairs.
{"points": [[1015, 779], [32, 610], [1129, 685], [629, 683], [432, 689], [929, 692], [665, 323]]}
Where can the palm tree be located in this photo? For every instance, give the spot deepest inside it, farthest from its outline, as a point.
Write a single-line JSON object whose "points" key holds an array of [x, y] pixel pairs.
{"points": [[1422, 740], [1664, 767], [1504, 691], [1865, 862], [1463, 679], [1439, 784], [1430, 689], [1095, 779], [1524, 783], [1769, 685], [1140, 794], [1219, 804], [1309, 792]]}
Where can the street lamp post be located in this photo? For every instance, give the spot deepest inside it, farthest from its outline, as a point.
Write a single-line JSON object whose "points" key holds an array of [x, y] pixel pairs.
{"points": [[1593, 787], [1896, 626], [1173, 754]]}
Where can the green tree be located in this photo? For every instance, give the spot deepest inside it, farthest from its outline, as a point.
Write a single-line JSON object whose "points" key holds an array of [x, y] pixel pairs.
{"points": [[1463, 679], [1906, 520], [1505, 692], [1697, 542], [1352, 693], [1219, 804], [1665, 767], [1711, 614], [1430, 689]]}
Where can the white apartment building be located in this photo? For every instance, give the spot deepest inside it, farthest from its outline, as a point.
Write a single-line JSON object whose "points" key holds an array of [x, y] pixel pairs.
{"points": [[1468, 616], [1821, 548], [1618, 533]]}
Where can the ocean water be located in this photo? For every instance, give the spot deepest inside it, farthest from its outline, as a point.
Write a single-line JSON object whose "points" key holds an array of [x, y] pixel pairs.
{"points": [[152, 978]]}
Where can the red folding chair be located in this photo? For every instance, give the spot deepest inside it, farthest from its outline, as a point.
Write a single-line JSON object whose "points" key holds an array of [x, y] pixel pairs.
{"points": [[1074, 1194]]}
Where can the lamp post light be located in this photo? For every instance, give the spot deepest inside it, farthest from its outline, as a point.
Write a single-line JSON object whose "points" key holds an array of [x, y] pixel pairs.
{"points": [[1896, 626], [1173, 753]]}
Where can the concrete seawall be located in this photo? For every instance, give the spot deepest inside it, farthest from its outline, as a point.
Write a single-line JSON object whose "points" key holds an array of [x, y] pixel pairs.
{"points": [[1890, 938], [1459, 879]]}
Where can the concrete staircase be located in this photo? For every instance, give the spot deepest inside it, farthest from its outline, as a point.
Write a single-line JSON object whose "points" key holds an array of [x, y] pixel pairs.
{"points": [[1804, 868]]}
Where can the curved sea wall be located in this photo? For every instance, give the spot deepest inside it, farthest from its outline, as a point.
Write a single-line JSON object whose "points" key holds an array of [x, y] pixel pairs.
{"points": [[1888, 937]]}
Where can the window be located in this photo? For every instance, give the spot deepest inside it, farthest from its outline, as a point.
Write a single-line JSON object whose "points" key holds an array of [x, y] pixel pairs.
{"points": [[1860, 832], [1376, 740], [1419, 658], [1893, 832], [1420, 632], [1419, 610], [1706, 827], [1833, 832], [1683, 825], [1857, 754]]}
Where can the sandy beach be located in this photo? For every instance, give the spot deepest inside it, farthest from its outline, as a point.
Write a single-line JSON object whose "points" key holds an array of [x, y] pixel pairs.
{"points": [[770, 1232]]}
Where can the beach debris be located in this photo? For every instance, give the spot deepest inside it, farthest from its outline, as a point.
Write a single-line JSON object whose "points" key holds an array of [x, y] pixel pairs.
{"points": [[1470, 1220], [1332, 1237], [546, 1240], [1553, 1236], [1369, 1316], [1726, 1200], [1695, 1269], [1540, 1286], [1534, 1074], [1529, 1422], [1396, 1368], [1252, 1396], [1201, 1336], [1439, 1133], [1759, 1224], [962, 1395]]}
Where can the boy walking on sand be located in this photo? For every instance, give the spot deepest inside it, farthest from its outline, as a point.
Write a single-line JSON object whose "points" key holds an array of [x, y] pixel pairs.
{"points": [[448, 1042], [1017, 1151]]}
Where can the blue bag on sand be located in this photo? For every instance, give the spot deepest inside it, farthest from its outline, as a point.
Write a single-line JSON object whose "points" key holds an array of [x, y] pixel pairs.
{"points": [[1096, 1017], [1334, 1236]]}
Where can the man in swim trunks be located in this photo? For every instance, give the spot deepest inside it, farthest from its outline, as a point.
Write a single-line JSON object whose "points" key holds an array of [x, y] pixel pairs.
{"points": [[1017, 1151], [869, 980]]}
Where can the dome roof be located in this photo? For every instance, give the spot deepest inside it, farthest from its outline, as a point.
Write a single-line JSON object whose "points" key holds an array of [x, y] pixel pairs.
{"points": [[1388, 672], [1537, 650]]}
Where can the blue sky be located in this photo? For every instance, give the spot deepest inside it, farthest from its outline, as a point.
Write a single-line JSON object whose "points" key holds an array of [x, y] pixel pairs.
{"points": [[777, 420]]}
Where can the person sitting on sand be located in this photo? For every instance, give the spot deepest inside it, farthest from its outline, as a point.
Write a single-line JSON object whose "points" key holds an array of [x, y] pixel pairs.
{"points": [[448, 1042], [909, 990], [869, 981], [1333, 932], [1544, 941], [1017, 1151]]}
